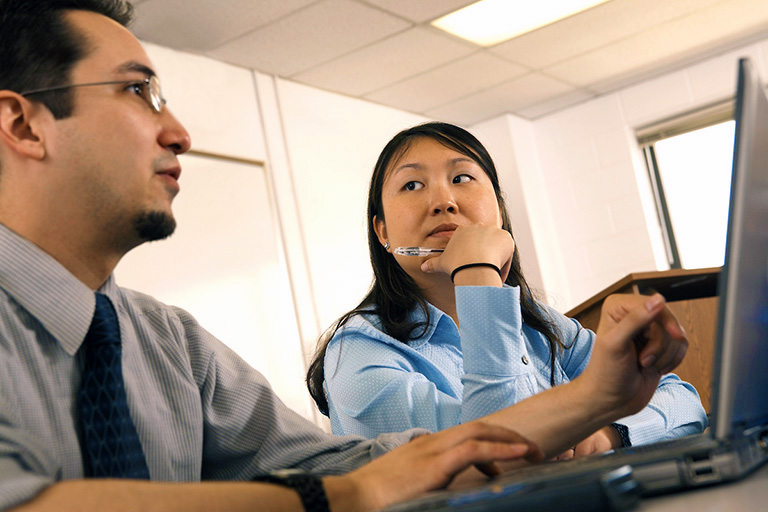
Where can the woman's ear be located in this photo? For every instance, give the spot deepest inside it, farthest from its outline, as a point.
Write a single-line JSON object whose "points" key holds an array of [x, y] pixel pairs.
{"points": [[381, 230], [21, 125]]}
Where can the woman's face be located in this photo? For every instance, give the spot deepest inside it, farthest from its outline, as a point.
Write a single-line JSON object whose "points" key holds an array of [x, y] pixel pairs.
{"points": [[427, 193]]}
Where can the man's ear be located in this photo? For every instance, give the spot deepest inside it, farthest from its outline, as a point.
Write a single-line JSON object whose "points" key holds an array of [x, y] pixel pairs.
{"points": [[21, 125], [380, 229]]}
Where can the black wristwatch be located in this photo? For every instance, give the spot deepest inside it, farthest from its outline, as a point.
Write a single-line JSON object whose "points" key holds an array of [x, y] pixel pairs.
{"points": [[308, 485], [624, 433]]}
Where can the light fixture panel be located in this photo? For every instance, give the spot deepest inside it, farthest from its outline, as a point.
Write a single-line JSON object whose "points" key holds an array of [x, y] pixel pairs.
{"points": [[489, 22]]}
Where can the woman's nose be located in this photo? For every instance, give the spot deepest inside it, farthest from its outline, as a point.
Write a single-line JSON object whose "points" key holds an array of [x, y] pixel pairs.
{"points": [[443, 201]]}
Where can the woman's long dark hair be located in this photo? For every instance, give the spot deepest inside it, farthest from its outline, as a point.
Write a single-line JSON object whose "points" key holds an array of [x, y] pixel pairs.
{"points": [[393, 294]]}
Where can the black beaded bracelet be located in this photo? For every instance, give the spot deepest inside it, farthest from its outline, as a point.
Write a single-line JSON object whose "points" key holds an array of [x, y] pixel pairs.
{"points": [[471, 265]]}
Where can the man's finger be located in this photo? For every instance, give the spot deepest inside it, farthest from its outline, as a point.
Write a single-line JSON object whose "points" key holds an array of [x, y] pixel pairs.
{"points": [[637, 319], [681, 350], [476, 432], [668, 320]]}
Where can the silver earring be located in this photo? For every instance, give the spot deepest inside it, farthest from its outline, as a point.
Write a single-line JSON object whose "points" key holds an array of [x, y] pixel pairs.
{"points": [[386, 246]]}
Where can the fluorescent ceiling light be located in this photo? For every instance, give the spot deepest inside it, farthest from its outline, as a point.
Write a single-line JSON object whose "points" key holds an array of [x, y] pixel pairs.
{"points": [[489, 22]]}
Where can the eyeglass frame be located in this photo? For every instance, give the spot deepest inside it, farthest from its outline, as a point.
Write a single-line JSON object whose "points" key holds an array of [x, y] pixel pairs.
{"points": [[150, 93]]}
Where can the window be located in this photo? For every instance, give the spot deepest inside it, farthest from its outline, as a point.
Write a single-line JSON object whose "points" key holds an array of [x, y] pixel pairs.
{"points": [[689, 163]]}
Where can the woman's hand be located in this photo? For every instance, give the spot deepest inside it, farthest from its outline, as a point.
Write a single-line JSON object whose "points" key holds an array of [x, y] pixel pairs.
{"points": [[607, 438], [475, 243]]}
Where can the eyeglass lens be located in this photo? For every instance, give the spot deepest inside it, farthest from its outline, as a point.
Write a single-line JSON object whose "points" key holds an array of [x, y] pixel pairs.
{"points": [[153, 95]]}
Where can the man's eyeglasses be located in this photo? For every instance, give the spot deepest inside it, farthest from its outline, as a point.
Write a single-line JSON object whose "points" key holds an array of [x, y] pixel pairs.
{"points": [[148, 89]]}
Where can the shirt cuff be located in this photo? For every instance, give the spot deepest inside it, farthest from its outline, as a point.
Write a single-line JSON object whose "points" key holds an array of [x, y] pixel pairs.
{"points": [[491, 330]]}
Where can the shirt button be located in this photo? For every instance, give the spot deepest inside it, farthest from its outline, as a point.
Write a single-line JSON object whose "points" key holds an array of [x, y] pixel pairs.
{"points": [[525, 359]]}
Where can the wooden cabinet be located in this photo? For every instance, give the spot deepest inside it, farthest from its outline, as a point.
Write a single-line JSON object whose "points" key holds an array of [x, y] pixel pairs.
{"points": [[692, 297]]}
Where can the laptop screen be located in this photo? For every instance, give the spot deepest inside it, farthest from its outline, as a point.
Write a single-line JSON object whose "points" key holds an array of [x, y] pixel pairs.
{"points": [[740, 394]]}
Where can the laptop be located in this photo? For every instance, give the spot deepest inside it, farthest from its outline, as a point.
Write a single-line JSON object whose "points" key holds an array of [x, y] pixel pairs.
{"points": [[737, 441]]}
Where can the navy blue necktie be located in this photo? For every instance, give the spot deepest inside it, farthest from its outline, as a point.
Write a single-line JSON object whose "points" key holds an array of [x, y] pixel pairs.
{"points": [[110, 443]]}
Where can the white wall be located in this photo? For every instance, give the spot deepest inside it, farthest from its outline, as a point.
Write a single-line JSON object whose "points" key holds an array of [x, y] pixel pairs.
{"points": [[512, 144], [333, 143]]}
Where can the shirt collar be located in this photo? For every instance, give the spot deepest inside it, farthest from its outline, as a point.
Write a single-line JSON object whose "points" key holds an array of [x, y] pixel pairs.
{"points": [[49, 292], [439, 322]]}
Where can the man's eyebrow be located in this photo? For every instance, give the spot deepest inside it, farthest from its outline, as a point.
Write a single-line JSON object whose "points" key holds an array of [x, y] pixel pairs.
{"points": [[136, 67]]}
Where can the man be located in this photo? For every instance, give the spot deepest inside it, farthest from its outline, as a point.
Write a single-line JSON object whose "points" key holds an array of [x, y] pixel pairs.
{"points": [[88, 170]]}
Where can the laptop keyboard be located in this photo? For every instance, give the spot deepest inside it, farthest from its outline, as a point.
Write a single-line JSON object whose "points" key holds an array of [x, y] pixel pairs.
{"points": [[608, 459]]}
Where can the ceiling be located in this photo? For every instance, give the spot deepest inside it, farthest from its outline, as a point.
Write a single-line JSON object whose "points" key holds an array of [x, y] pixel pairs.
{"points": [[385, 51]]}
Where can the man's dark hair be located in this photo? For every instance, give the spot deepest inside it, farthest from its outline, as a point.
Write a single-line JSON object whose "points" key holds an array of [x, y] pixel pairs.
{"points": [[38, 48]]}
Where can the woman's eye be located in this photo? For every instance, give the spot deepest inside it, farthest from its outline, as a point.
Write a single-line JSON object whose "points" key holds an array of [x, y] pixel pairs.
{"points": [[413, 185], [462, 178]]}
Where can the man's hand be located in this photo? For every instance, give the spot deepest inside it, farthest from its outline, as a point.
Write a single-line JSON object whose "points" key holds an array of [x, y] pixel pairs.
{"points": [[427, 463], [638, 341], [617, 306]]}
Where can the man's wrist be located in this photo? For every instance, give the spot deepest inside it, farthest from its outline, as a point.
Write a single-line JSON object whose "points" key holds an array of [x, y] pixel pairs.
{"points": [[345, 495], [599, 405], [309, 487]]}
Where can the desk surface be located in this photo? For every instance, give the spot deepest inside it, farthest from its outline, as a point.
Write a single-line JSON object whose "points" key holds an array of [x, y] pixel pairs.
{"points": [[750, 493]]}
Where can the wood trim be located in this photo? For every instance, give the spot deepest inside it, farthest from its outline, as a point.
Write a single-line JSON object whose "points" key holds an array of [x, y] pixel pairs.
{"points": [[662, 281]]}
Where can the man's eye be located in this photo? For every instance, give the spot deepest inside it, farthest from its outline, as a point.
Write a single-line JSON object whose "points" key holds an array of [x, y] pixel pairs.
{"points": [[136, 88], [413, 185], [462, 178]]}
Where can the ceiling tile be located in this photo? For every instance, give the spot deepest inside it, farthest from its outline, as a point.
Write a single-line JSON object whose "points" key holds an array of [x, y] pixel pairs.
{"points": [[662, 48], [371, 48], [386, 62], [194, 25], [511, 96], [591, 29], [554, 104], [310, 37], [459, 78], [420, 10]]}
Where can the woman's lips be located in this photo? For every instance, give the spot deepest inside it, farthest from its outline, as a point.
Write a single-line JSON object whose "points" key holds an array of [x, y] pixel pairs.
{"points": [[443, 234], [444, 230]]}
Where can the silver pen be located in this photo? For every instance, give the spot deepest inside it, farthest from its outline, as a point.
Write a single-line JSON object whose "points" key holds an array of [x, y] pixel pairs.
{"points": [[416, 251]]}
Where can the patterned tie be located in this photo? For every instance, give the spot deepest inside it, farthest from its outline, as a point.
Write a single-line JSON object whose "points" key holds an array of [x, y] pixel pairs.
{"points": [[111, 444]]}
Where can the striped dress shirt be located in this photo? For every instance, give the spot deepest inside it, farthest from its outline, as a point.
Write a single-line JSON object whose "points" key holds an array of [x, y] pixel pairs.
{"points": [[201, 412]]}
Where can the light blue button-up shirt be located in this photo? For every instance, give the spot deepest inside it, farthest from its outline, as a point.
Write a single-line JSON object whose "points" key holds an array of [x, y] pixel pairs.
{"points": [[446, 376]]}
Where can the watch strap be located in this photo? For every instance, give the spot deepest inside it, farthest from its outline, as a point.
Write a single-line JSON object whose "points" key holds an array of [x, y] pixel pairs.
{"points": [[308, 486], [624, 433]]}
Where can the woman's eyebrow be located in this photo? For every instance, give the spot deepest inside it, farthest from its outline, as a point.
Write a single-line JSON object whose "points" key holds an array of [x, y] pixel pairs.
{"points": [[415, 165], [453, 162], [462, 159]]}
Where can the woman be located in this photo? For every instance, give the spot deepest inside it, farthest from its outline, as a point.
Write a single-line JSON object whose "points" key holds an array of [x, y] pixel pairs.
{"points": [[453, 336]]}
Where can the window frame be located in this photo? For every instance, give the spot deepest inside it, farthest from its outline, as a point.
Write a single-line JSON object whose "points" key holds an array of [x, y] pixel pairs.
{"points": [[649, 135]]}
